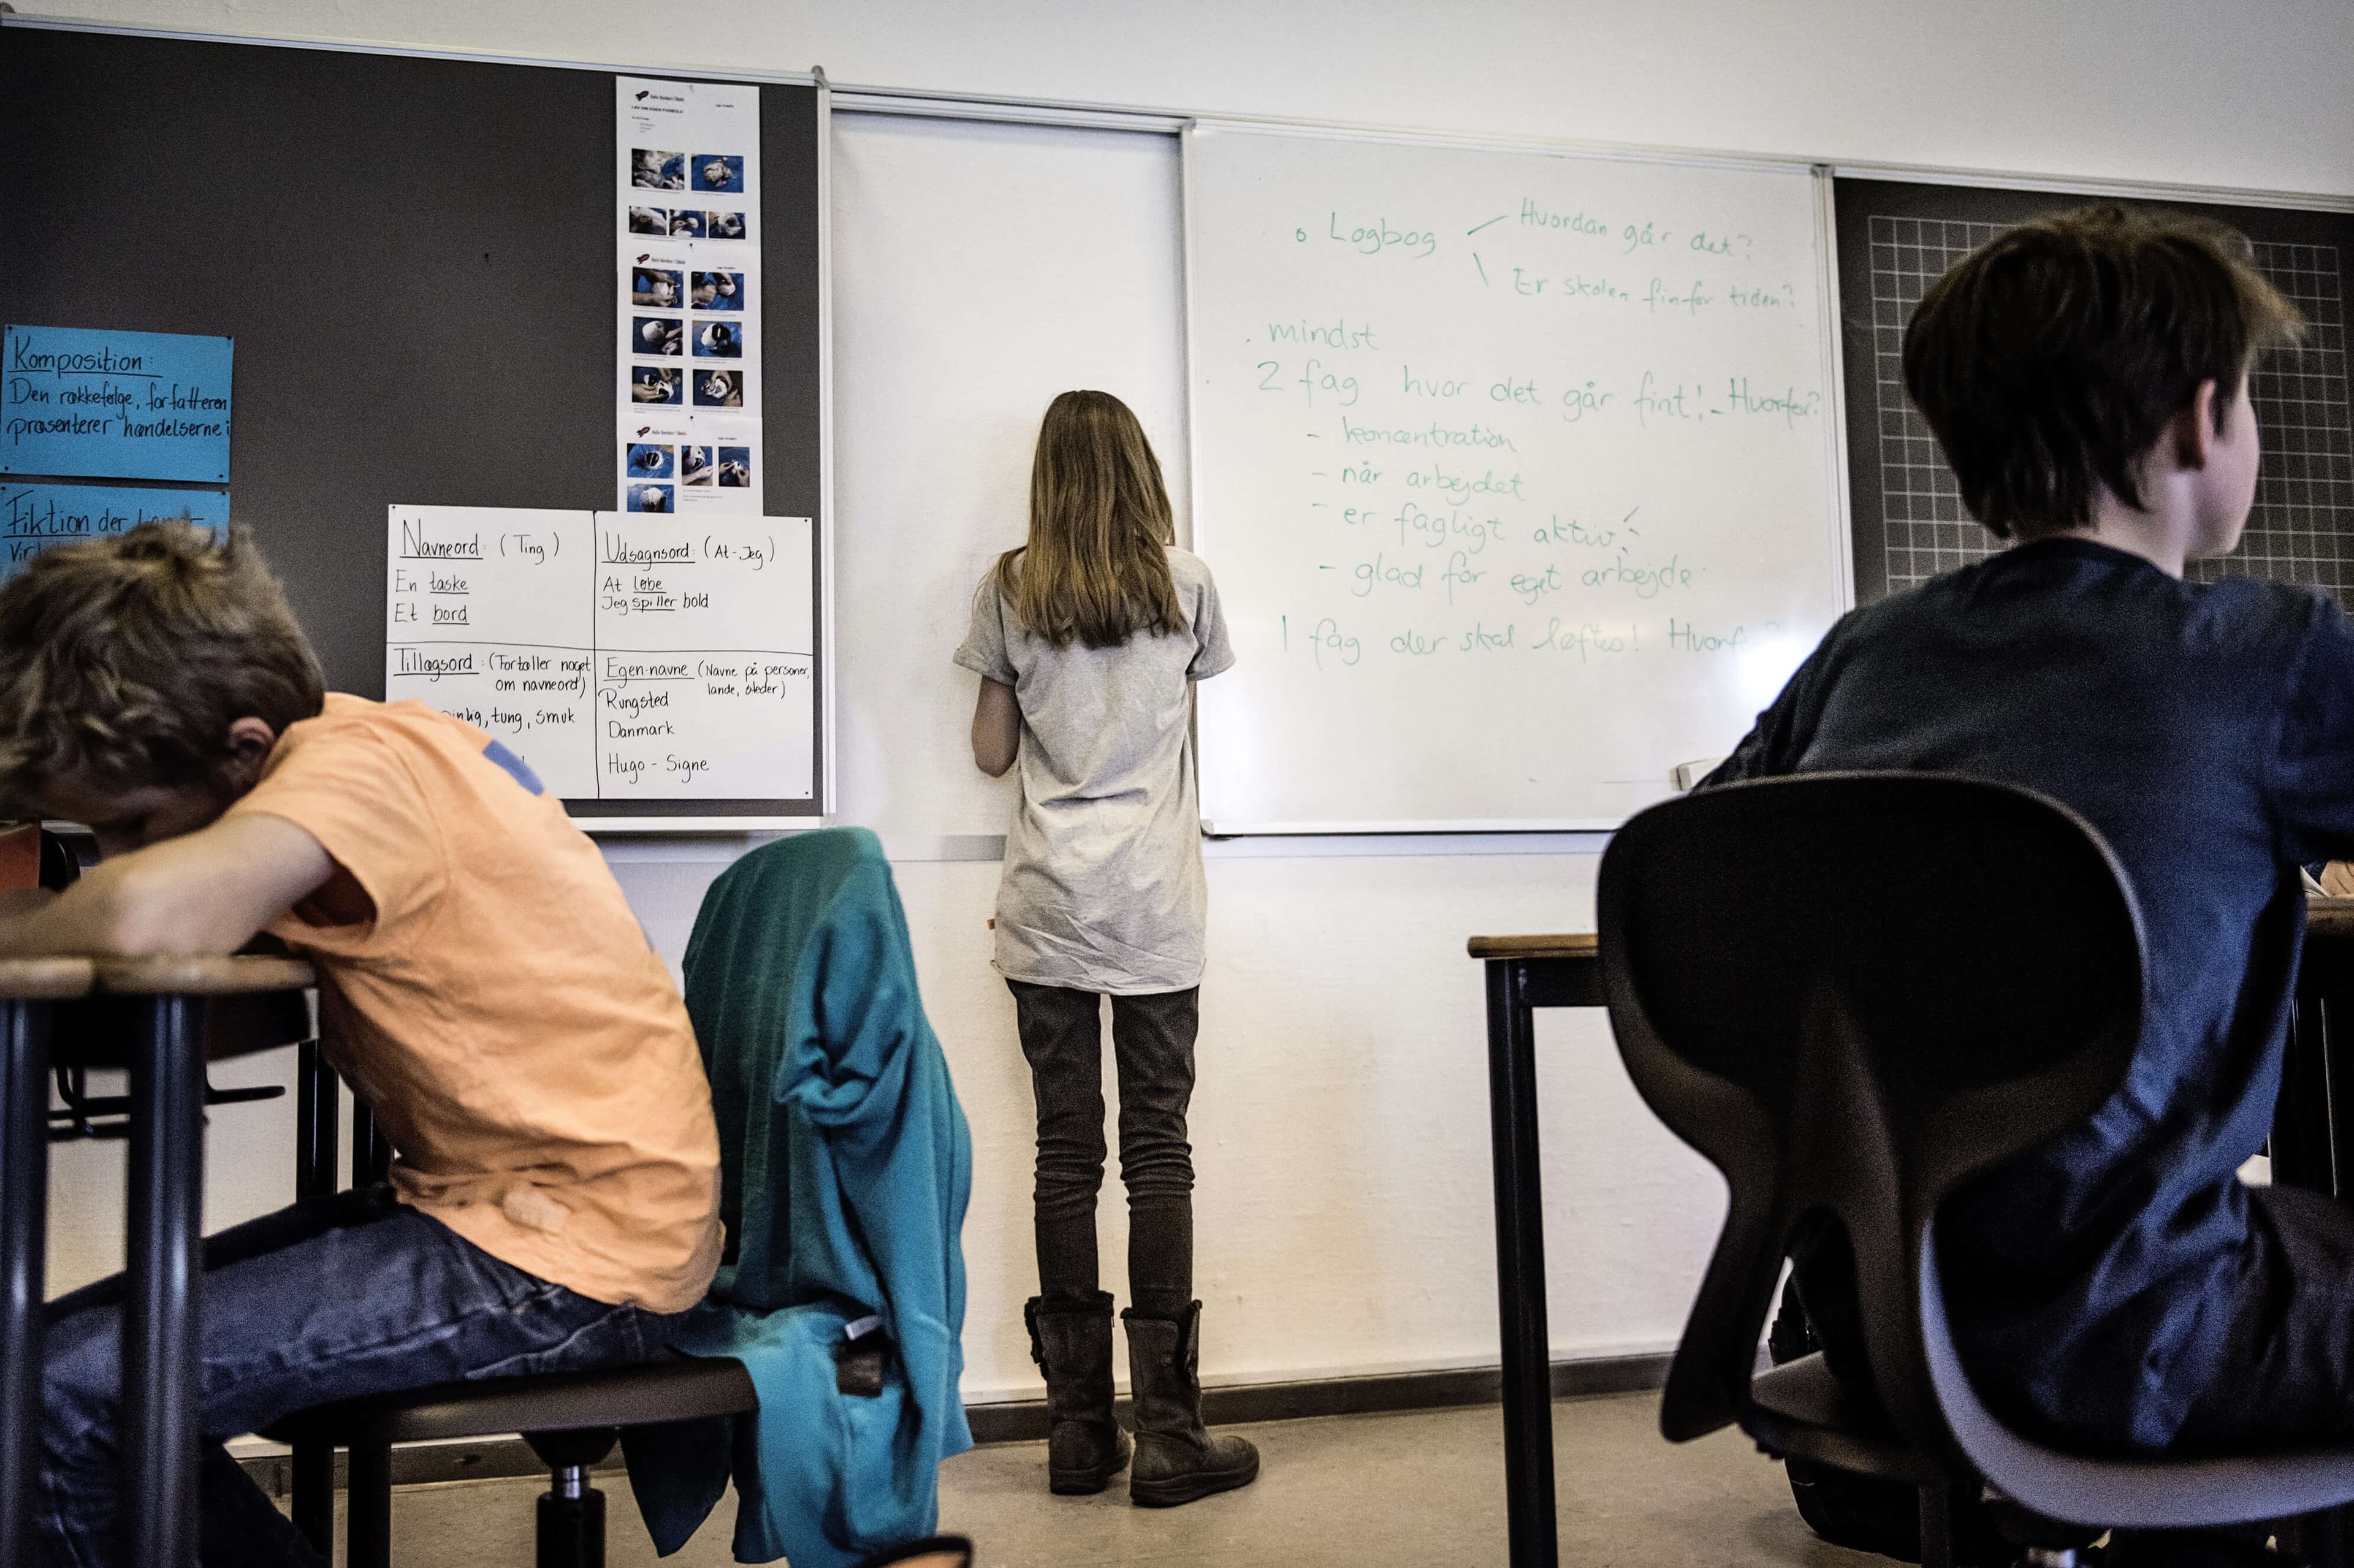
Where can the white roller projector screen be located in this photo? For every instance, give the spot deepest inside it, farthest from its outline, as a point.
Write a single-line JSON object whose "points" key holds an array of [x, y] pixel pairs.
{"points": [[1518, 472]]}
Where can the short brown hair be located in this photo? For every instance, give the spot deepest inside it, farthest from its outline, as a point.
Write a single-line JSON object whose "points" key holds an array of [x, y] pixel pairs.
{"points": [[2048, 359], [1095, 568], [130, 657]]}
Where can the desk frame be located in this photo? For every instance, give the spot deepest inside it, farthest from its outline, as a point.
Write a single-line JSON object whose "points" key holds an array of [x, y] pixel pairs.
{"points": [[25, 1017], [157, 1009]]}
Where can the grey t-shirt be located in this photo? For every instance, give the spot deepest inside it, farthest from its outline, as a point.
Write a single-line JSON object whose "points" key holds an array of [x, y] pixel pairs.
{"points": [[1102, 889]]}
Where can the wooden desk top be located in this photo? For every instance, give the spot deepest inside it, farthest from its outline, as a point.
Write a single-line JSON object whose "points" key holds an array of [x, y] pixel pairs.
{"points": [[46, 979], [2329, 918], [175, 975], [1559, 944]]}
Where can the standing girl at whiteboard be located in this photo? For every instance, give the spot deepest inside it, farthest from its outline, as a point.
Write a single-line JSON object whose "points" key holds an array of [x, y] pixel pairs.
{"points": [[1087, 641]]}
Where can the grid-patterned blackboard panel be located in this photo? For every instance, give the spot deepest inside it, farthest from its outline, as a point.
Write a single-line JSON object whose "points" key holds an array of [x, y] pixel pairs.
{"points": [[1911, 524]]}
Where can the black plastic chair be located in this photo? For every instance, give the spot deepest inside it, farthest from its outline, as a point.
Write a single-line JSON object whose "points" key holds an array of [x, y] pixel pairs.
{"points": [[1852, 993], [571, 1420]]}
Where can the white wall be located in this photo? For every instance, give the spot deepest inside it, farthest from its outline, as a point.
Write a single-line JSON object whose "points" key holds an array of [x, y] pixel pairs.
{"points": [[1341, 1126], [2248, 94]]}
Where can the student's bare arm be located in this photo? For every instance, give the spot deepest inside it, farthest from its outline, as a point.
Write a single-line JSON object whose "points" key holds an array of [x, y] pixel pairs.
{"points": [[205, 892], [996, 728]]}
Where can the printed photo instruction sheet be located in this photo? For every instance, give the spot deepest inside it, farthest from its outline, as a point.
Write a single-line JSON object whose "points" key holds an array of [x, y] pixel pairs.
{"points": [[687, 177]]}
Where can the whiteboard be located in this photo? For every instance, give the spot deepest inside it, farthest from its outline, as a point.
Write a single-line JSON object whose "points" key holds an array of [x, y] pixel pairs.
{"points": [[1518, 472], [1067, 272]]}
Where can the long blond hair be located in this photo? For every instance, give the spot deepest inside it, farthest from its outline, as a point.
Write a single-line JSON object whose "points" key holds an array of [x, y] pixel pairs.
{"points": [[1094, 568]]}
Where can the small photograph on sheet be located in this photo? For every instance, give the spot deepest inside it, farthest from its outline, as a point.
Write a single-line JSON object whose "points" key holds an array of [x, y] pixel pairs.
{"points": [[724, 225], [645, 460], [656, 384], [719, 389], [649, 220], [686, 223], [651, 498], [721, 171], [654, 170], [665, 336], [695, 467], [717, 291], [735, 467], [660, 288], [719, 340]]}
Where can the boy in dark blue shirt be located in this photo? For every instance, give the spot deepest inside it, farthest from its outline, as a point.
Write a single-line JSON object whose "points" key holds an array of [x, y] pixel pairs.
{"points": [[2086, 376]]}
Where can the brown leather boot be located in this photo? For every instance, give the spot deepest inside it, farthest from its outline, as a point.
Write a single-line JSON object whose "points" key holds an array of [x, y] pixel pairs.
{"points": [[1177, 1461], [1071, 1343]]}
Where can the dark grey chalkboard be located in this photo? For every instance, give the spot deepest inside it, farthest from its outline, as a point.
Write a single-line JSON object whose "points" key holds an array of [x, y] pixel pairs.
{"points": [[416, 258], [1895, 237]]}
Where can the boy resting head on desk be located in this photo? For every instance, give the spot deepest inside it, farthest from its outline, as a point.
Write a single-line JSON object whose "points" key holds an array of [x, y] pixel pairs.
{"points": [[2086, 376], [484, 987]]}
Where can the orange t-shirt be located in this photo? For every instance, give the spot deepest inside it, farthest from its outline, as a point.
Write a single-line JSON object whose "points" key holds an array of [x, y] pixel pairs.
{"points": [[521, 1045]]}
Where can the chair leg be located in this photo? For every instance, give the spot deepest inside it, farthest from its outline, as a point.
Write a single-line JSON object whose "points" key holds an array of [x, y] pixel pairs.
{"points": [[314, 1495], [367, 1506], [571, 1521], [571, 1511], [1936, 1525]]}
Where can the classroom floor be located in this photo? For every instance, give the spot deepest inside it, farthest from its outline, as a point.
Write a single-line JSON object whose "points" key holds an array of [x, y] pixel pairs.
{"points": [[1418, 1488]]}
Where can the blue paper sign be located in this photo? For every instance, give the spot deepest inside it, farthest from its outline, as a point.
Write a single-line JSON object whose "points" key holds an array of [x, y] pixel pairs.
{"points": [[34, 518], [114, 404]]}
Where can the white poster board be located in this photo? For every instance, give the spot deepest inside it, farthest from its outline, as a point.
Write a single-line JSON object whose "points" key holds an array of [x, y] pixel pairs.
{"points": [[1518, 472], [624, 657]]}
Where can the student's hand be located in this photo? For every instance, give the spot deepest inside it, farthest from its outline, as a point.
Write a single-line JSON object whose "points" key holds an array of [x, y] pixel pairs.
{"points": [[2338, 879], [205, 892]]}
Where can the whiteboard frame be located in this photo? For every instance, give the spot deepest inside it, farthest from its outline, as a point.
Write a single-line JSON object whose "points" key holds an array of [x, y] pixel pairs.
{"points": [[1840, 536], [1835, 376]]}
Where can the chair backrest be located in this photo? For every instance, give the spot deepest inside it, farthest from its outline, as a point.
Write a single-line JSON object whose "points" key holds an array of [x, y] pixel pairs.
{"points": [[743, 981], [1852, 993]]}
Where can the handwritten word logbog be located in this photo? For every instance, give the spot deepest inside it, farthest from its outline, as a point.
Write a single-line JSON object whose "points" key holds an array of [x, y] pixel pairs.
{"points": [[114, 404], [624, 657], [37, 517], [1517, 473], [687, 182]]}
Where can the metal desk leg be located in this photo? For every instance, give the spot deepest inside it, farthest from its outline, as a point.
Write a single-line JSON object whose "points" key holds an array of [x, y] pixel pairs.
{"points": [[161, 1337], [24, 1214], [2326, 1015], [316, 1117], [367, 1506], [1520, 1268], [2304, 1142]]}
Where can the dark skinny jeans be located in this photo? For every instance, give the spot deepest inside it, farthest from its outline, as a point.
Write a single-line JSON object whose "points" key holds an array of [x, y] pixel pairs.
{"points": [[1152, 1042]]}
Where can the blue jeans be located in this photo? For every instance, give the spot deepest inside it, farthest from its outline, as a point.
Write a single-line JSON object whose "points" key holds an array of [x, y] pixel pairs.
{"points": [[330, 1300]]}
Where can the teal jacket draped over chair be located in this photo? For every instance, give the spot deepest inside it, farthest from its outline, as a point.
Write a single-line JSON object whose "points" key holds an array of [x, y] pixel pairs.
{"points": [[847, 1167]]}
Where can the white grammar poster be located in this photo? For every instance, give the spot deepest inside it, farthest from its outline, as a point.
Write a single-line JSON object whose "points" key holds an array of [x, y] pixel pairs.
{"points": [[622, 656], [687, 173]]}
